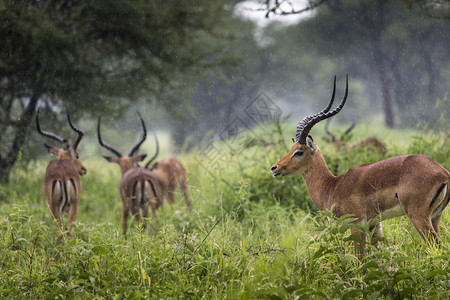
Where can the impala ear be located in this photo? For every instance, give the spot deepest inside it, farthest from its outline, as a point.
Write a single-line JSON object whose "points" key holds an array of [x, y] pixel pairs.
{"points": [[109, 158], [310, 144], [52, 150], [138, 158]]}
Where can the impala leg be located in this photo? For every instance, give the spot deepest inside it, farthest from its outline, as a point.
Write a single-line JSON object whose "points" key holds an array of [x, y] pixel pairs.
{"points": [[154, 205], [73, 210], [135, 210], [53, 203], [171, 190], [425, 228], [145, 214], [377, 234], [55, 213], [437, 214], [435, 222], [71, 219], [126, 212], [359, 246], [183, 185]]}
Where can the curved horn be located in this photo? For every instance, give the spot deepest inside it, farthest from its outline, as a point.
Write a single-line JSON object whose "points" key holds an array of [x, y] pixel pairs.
{"points": [[305, 125], [46, 133], [106, 146], [77, 130], [156, 153], [143, 137], [326, 109], [308, 119], [350, 128]]}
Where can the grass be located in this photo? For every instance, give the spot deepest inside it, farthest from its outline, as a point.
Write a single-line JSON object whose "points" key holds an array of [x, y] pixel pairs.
{"points": [[249, 236]]}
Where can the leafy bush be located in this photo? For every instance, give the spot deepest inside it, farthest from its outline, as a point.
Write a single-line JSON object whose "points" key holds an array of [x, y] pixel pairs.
{"points": [[249, 236]]}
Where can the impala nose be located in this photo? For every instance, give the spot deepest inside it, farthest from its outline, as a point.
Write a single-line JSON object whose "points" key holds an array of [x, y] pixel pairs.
{"points": [[83, 171], [274, 173]]}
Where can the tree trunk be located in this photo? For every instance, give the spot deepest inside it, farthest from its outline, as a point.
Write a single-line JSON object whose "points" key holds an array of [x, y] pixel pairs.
{"points": [[383, 75], [8, 160]]}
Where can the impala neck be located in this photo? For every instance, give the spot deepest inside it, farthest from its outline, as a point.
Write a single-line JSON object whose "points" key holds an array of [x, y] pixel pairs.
{"points": [[125, 166], [320, 182]]}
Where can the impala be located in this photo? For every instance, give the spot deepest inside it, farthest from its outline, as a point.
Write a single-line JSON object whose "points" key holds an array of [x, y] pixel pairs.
{"points": [[62, 184], [370, 143], [170, 174], [411, 185], [139, 186]]}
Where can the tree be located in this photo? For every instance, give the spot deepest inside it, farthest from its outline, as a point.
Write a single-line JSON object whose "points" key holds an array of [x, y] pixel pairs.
{"points": [[399, 46], [91, 54]]}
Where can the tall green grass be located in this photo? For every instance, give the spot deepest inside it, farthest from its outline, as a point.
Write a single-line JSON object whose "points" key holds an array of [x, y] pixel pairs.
{"points": [[249, 237]]}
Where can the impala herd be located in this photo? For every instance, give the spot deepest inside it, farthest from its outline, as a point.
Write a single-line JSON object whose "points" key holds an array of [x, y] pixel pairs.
{"points": [[139, 188], [411, 185]]}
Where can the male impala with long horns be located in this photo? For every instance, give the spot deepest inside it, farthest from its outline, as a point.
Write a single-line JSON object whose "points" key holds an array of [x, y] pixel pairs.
{"points": [[139, 186], [62, 183], [411, 185]]}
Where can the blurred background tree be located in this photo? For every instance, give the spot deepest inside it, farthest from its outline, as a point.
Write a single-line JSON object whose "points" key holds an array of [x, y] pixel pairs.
{"points": [[397, 48]]}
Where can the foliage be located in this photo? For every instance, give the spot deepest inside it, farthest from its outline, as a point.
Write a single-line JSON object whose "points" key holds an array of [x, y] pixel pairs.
{"points": [[241, 241], [345, 37], [99, 56]]}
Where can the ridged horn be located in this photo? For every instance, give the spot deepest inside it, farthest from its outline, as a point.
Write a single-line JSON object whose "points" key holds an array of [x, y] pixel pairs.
{"points": [[46, 133], [76, 129], [143, 137], [106, 146], [305, 125], [156, 153]]}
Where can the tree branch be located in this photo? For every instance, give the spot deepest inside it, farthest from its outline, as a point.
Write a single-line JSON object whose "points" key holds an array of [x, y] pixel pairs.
{"points": [[277, 7]]}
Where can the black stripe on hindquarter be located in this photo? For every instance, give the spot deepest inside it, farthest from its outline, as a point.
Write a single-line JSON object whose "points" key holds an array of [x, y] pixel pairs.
{"points": [[153, 188], [144, 199], [133, 192], [437, 194], [438, 211], [63, 198], [74, 186]]}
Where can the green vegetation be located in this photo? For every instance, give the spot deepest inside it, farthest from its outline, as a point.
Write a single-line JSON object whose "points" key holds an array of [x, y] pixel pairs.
{"points": [[249, 237]]}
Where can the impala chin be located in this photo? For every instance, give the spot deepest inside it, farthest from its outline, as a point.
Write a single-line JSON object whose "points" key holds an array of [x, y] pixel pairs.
{"points": [[277, 175]]}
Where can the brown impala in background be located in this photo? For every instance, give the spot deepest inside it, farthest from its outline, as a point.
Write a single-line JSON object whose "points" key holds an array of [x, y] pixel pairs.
{"points": [[139, 186], [171, 174]]}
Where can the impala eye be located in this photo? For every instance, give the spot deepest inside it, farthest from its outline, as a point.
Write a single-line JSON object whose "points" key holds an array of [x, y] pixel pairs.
{"points": [[297, 153]]}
